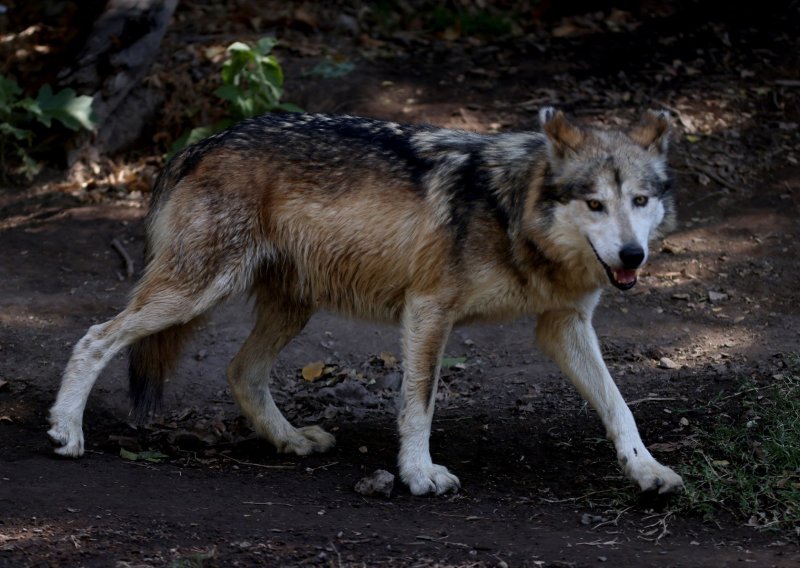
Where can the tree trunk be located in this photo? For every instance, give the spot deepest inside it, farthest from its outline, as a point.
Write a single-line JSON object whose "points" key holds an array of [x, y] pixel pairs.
{"points": [[121, 48]]}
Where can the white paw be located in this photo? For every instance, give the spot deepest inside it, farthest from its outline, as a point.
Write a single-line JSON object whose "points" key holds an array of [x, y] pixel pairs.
{"points": [[652, 476], [67, 436], [306, 440], [432, 478]]}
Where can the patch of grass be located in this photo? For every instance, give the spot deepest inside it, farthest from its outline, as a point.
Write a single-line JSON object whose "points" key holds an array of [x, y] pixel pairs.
{"points": [[196, 560], [748, 461]]}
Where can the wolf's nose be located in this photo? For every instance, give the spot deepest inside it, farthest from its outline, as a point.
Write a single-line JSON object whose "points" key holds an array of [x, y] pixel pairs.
{"points": [[631, 256]]}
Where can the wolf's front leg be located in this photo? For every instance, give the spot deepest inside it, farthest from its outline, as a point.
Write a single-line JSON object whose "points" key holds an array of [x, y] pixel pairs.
{"points": [[426, 325], [569, 338]]}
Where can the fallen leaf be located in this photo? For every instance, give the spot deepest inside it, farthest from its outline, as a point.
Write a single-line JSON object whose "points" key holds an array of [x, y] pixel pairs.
{"points": [[565, 30], [388, 358], [313, 371], [150, 456], [664, 446]]}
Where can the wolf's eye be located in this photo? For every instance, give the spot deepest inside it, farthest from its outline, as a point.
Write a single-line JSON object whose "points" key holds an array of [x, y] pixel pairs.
{"points": [[640, 200], [594, 205]]}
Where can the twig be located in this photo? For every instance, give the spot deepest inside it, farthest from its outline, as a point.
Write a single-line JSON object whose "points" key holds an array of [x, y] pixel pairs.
{"points": [[662, 523], [258, 464], [613, 521], [117, 246], [743, 392], [712, 174], [573, 499], [268, 503], [652, 399], [327, 465]]}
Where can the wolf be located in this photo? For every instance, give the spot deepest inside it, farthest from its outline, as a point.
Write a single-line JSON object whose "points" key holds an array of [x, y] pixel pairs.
{"points": [[425, 226]]}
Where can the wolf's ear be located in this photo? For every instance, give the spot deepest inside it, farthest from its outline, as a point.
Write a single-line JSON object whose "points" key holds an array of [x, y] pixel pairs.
{"points": [[561, 134], [652, 132]]}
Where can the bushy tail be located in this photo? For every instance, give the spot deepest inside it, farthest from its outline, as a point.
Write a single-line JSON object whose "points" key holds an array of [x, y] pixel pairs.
{"points": [[152, 360]]}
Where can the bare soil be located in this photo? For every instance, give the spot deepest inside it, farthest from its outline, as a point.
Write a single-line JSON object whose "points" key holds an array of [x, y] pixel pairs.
{"points": [[540, 484]]}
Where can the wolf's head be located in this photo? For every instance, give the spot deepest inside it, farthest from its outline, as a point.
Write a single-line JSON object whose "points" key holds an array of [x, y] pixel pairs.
{"points": [[608, 193]]}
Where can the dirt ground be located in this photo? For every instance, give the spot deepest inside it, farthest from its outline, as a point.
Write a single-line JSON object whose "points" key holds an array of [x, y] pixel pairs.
{"points": [[718, 303]]}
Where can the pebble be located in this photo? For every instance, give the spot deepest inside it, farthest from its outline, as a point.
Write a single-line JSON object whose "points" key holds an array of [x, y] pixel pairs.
{"points": [[667, 363], [380, 482], [716, 297]]}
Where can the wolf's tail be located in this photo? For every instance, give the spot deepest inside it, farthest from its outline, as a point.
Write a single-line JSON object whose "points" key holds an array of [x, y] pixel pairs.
{"points": [[151, 360]]}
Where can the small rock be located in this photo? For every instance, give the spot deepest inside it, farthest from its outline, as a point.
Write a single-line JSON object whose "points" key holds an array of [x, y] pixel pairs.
{"points": [[348, 24], [667, 363], [684, 421], [680, 297], [716, 297], [381, 482], [588, 519], [202, 354], [391, 381]]}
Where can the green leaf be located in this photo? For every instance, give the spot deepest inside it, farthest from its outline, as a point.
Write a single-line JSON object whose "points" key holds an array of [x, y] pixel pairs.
{"points": [[9, 91], [29, 167], [152, 456], [195, 135], [230, 93], [126, 455], [72, 111], [265, 44], [289, 107], [31, 106], [18, 133], [448, 362], [239, 46], [269, 71]]}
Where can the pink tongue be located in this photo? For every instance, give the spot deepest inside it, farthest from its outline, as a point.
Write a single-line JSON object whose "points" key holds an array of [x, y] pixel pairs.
{"points": [[624, 276]]}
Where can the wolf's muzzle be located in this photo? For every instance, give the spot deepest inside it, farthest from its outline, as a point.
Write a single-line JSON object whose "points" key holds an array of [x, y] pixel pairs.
{"points": [[623, 278]]}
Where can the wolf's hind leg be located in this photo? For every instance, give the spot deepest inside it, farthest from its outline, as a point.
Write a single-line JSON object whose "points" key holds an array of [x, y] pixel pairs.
{"points": [[568, 337], [157, 305], [278, 321]]}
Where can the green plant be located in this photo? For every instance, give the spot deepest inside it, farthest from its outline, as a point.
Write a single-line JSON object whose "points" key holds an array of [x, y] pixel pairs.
{"points": [[750, 465], [18, 115], [252, 84]]}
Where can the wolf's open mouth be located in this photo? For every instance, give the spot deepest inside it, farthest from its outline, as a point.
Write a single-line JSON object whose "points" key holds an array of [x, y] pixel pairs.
{"points": [[622, 278]]}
